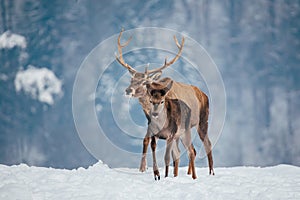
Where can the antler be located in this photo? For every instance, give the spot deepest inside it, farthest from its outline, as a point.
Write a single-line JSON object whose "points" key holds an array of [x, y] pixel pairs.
{"points": [[180, 47], [120, 57]]}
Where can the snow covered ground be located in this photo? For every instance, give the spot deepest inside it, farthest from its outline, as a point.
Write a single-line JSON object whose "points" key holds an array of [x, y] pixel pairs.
{"points": [[101, 182]]}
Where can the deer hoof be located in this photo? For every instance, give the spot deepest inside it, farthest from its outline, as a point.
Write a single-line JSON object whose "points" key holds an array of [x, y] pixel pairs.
{"points": [[143, 165], [157, 178], [142, 169], [156, 175]]}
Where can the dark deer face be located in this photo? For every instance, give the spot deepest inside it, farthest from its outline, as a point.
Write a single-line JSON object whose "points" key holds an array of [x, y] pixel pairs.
{"points": [[157, 97], [157, 101]]}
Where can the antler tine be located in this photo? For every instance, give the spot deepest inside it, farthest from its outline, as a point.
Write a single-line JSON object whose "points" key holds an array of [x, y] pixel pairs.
{"points": [[176, 41], [120, 57], [146, 68], [166, 64]]}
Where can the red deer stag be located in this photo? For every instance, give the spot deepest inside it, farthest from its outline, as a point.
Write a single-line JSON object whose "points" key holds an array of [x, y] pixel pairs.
{"points": [[170, 119], [196, 100]]}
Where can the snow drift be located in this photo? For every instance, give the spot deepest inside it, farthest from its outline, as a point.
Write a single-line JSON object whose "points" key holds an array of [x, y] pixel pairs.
{"points": [[101, 182]]}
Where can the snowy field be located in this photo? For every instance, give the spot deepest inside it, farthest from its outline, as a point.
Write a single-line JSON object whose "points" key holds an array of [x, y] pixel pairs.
{"points": [[101, 182]]}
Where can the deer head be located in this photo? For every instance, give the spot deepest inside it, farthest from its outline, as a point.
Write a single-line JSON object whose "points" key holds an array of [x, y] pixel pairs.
{"points": [[139, 80], [157, 94]]}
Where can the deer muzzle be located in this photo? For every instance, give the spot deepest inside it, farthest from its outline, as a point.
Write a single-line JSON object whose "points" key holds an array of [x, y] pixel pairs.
{"points": [[129, 91]]}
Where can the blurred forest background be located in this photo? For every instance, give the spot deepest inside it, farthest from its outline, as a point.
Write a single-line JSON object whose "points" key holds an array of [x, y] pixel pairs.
{"points": [[255, 44]]}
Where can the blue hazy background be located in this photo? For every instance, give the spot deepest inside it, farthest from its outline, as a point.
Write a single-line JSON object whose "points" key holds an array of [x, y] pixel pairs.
{"points": [[255, 44]]}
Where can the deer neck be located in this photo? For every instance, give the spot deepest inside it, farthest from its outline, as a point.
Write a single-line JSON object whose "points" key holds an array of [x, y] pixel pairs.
{"points": [[145, 103], [161, 121]]}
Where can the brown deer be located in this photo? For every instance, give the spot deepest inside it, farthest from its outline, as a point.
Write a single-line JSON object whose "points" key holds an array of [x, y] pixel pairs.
{"points": [[171, 120], [196, 100]]}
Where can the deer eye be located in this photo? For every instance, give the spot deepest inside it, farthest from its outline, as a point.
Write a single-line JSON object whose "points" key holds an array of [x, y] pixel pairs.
{"points": [[151, 101], [162, 102]]}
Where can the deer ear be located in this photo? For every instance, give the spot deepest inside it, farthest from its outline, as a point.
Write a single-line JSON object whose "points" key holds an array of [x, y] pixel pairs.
{"points": [[149, 89], [148, 86], [155, 76], [168, 87]]}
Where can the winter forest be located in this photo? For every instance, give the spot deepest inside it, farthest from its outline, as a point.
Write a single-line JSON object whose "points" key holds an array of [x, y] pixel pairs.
{"points": [[255, 44]]}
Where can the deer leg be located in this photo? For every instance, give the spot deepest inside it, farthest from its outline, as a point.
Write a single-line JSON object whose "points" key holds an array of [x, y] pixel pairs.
{"points": [[186, 141], [169, 147], [192, 160], [190, 164], [202, 131], [143, 165], [155, 168], [190, 168], [176, 158]]}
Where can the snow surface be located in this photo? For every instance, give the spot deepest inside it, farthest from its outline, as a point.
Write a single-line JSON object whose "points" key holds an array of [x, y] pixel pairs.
{"points": [[102, 182], [9, 40], [39, 83]]}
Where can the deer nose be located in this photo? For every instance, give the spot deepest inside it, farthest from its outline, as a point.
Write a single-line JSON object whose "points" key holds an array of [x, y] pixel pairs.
{"points": [[128, 91], [155, 115]]}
